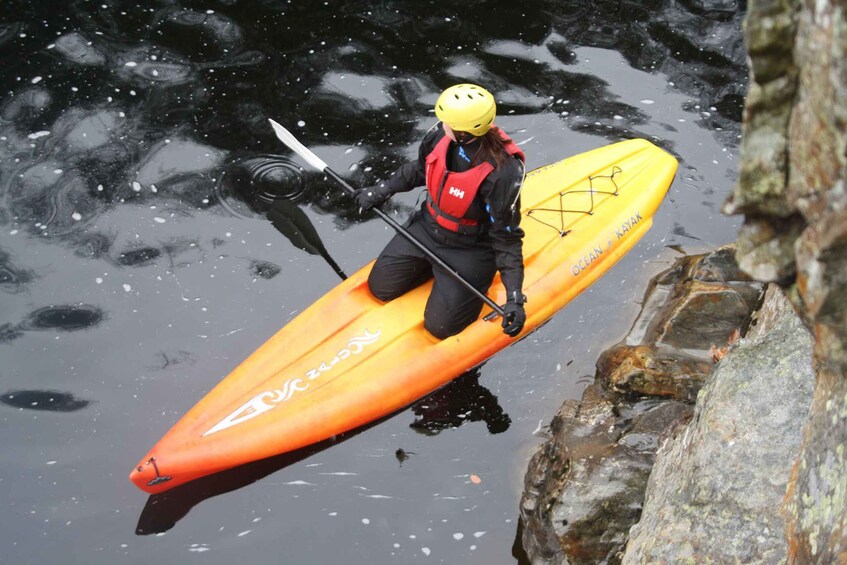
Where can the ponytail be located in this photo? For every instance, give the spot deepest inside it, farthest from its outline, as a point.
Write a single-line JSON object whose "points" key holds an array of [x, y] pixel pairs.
{"points": [[492, 148]]}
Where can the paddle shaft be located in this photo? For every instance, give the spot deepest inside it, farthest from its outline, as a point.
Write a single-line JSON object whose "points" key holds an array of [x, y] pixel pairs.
{"points": [[417, 243], [294, 144]]}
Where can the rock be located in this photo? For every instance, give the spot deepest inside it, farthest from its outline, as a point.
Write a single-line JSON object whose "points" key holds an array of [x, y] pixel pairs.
{"points": [[769, 33], [706, 313], [689, 310], [791, 190], [645, 370], [816, 519], [765, 248], [717, 483], [584, 488], [695, 304]]}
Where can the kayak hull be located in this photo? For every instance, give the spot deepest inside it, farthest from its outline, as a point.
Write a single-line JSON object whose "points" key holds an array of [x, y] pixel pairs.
{"points": [[349, 359]]}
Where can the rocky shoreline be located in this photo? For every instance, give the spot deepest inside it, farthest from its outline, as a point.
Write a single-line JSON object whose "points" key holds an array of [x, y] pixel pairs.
{"points": [[633, 466], [716, 431]]}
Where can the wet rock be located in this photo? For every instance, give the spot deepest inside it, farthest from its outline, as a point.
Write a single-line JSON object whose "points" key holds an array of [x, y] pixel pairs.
{"points": [[645, 370], [691, 308], [717, 482], [707, 313], [78, 49], [696, 304], [584, 488]]}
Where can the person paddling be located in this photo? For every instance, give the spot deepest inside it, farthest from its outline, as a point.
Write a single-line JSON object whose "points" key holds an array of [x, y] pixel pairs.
{"points": [[473, 174]]}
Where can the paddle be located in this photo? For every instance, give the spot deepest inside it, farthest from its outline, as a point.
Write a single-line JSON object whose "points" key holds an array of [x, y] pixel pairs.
{"points": [[287, 138]]}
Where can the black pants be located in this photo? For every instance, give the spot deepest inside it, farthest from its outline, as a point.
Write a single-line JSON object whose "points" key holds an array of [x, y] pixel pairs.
{"points": [[451, 307]]}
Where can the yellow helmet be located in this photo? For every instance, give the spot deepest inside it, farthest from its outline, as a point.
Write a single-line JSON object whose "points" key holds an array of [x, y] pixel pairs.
{"points": [[466, 107]]}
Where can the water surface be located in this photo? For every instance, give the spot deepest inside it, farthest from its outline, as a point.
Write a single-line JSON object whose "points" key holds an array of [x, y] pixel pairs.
{"points": [[153, 233]]}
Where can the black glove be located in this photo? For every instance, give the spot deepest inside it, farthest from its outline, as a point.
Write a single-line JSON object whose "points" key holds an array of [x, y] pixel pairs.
{"points": [[514, 315], [371, 196]]}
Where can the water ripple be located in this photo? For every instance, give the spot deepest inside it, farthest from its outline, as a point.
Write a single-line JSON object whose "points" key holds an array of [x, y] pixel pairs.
{"points": [[264, 178]]}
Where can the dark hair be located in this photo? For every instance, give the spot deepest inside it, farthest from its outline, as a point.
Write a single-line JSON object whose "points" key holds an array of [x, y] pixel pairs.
{"points": [[492, 148]]}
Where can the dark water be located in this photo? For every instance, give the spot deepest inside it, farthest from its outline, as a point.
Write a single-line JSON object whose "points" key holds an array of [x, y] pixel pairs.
{"points": [[153, 233]]}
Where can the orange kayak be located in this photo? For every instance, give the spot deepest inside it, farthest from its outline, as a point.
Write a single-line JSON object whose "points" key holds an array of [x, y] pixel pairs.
{"points": [[349, 359]]}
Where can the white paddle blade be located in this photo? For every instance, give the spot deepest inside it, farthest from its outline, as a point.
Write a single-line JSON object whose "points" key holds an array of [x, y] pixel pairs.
{"points": [[287, 138]]}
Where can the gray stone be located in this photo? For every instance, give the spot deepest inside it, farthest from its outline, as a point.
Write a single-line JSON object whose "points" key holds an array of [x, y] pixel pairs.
{"points": [[791, 190], [717, 485], [644, 370], [584, 487]]}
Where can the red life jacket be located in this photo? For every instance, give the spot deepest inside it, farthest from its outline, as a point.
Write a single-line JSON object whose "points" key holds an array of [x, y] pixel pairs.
{"points": [[449, 194]]}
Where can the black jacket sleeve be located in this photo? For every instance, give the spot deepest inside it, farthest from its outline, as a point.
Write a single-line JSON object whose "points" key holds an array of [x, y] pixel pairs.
{"points": [[502, 201], [413, 173]]}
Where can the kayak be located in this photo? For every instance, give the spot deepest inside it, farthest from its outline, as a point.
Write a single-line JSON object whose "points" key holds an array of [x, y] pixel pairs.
{"points": [[349, 359]]}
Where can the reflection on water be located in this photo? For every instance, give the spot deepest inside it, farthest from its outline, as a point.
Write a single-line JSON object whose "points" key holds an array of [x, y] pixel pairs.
{"points": [[47, 400], [461, 401], [271, 185], [12, 278], [163, 511], [66, 318]]}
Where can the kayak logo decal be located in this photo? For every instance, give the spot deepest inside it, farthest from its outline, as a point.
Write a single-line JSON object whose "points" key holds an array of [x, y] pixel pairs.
{"points": [[270, 399], [628, 224], [597, 250]]}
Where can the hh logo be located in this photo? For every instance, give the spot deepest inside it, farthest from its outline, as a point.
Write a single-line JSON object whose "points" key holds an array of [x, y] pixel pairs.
{"points": [[456, 192]]}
